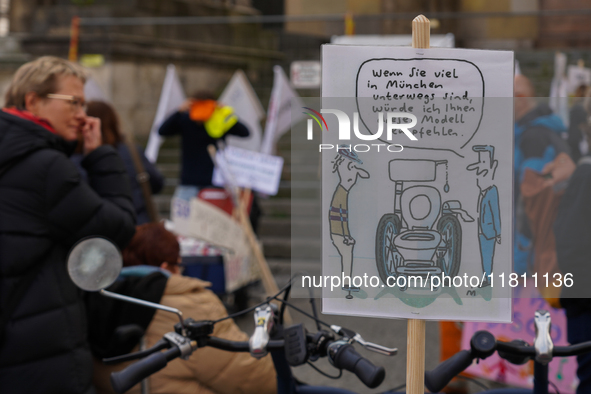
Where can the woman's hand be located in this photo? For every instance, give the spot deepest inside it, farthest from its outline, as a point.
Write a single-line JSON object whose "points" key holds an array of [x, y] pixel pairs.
{"points": [[91, 135]]}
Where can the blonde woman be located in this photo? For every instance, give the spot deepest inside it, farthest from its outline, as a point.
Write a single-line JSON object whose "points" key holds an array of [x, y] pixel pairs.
{"points": [[44, 209]]}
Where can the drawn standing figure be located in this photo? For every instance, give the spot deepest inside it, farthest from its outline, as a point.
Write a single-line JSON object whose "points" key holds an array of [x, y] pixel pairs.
{"points": [[489, 218], [347, 165]]}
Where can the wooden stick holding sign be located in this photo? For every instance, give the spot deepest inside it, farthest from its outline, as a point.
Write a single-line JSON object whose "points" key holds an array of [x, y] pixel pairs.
{"points": [[241, 209], [415, 339]]}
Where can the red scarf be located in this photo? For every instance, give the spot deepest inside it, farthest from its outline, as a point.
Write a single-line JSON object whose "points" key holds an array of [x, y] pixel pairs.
{"points": [[29, 116]]}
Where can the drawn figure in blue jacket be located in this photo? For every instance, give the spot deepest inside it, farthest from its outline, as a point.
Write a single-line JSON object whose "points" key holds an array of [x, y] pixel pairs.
{"points": [[348, 167], [489, 218]]}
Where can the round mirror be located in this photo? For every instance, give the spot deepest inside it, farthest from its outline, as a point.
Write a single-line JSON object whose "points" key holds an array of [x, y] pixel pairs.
{"points": [[94, 264]]}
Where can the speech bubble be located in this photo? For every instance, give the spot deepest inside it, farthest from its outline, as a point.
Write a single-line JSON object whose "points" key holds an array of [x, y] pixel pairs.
{"points": [[446, 96]]}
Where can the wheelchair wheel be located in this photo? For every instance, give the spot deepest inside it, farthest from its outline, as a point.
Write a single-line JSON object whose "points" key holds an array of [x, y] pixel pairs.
{"points": [[387, 257], [451, 233]]}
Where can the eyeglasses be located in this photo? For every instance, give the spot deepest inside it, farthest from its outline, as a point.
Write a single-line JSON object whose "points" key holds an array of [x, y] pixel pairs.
{"points": [[73, 100]]}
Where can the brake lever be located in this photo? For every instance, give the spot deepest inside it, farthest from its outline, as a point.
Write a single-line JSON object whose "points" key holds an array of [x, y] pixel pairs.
{"points": [[263, 317], [355, 337], [543, 341]]}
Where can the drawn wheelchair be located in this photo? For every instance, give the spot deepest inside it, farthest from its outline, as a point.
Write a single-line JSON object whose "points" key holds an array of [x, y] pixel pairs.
{"points": [[423, 236]]}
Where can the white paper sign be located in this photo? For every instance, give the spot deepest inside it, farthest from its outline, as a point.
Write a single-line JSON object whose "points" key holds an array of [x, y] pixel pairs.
{"points": [[253, 170], [305, 74], [441, 206], [199, 219]]}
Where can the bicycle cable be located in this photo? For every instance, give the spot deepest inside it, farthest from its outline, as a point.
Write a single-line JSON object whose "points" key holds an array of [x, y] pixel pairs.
{"points": [[554, 386], [301, 311], [252, 308], [324, 373]]}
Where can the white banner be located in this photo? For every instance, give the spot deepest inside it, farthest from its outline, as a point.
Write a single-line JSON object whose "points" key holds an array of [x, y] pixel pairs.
{"points": [[171, 98], [559, 88], [201, 220], [279, 112], [253, 170], [240, 95]]}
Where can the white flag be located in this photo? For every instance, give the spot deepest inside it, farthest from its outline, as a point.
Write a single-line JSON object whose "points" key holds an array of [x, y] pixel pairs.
{"points": [[279, 112], [559, 87], [240, 95], [171, 98]]}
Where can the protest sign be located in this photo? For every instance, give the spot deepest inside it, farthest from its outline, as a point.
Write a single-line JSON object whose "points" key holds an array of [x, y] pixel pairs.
{"points": [[418, 203], [201, 220], [252, 170]]}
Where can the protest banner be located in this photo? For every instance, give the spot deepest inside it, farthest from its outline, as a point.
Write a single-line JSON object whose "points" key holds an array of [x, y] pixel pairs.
{"points": [[171, 98], [201, 220]]}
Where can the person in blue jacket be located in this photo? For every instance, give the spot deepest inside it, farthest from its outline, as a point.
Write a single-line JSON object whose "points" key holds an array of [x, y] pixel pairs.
{"points": [[538, 140]]}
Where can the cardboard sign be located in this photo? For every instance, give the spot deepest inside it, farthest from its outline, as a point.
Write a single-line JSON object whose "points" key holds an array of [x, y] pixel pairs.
{"points": [[561, 372], [203, 221], [253, 170], [405, 207]]}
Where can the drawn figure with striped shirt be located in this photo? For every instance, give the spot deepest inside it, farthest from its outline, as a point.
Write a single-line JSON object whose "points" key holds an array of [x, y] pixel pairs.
{"points": [[348, 167]]}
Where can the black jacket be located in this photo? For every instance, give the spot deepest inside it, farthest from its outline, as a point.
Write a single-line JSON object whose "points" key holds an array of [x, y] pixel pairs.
{"points": [[156, 179], [197, 166], [572, 229], [44, 209]]}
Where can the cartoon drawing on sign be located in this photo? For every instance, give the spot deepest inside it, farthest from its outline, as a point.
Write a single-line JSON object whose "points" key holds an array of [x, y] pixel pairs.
{"points": [[347, 166], [423, 237], [489, 216]]}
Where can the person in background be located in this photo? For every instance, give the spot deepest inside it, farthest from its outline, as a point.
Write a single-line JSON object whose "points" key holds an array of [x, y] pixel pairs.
{"points": [[112, 135], [193, 121], [201, 121], [153, 252], [572, 229], [45, 208], [538, 141]]}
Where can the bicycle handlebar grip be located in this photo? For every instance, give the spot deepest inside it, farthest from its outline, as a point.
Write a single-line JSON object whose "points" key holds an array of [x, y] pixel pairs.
{"points": [[344, 356], [135, 373], [438, 378]]}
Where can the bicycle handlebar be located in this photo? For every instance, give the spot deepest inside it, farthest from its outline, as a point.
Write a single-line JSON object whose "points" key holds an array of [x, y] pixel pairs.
{"points": [[235, 346], [135, 373], [343, 356], [515, 352]]}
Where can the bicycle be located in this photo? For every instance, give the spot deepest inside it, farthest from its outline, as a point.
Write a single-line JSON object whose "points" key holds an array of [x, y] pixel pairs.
{"points": [[483, 344], [289, 347]]}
